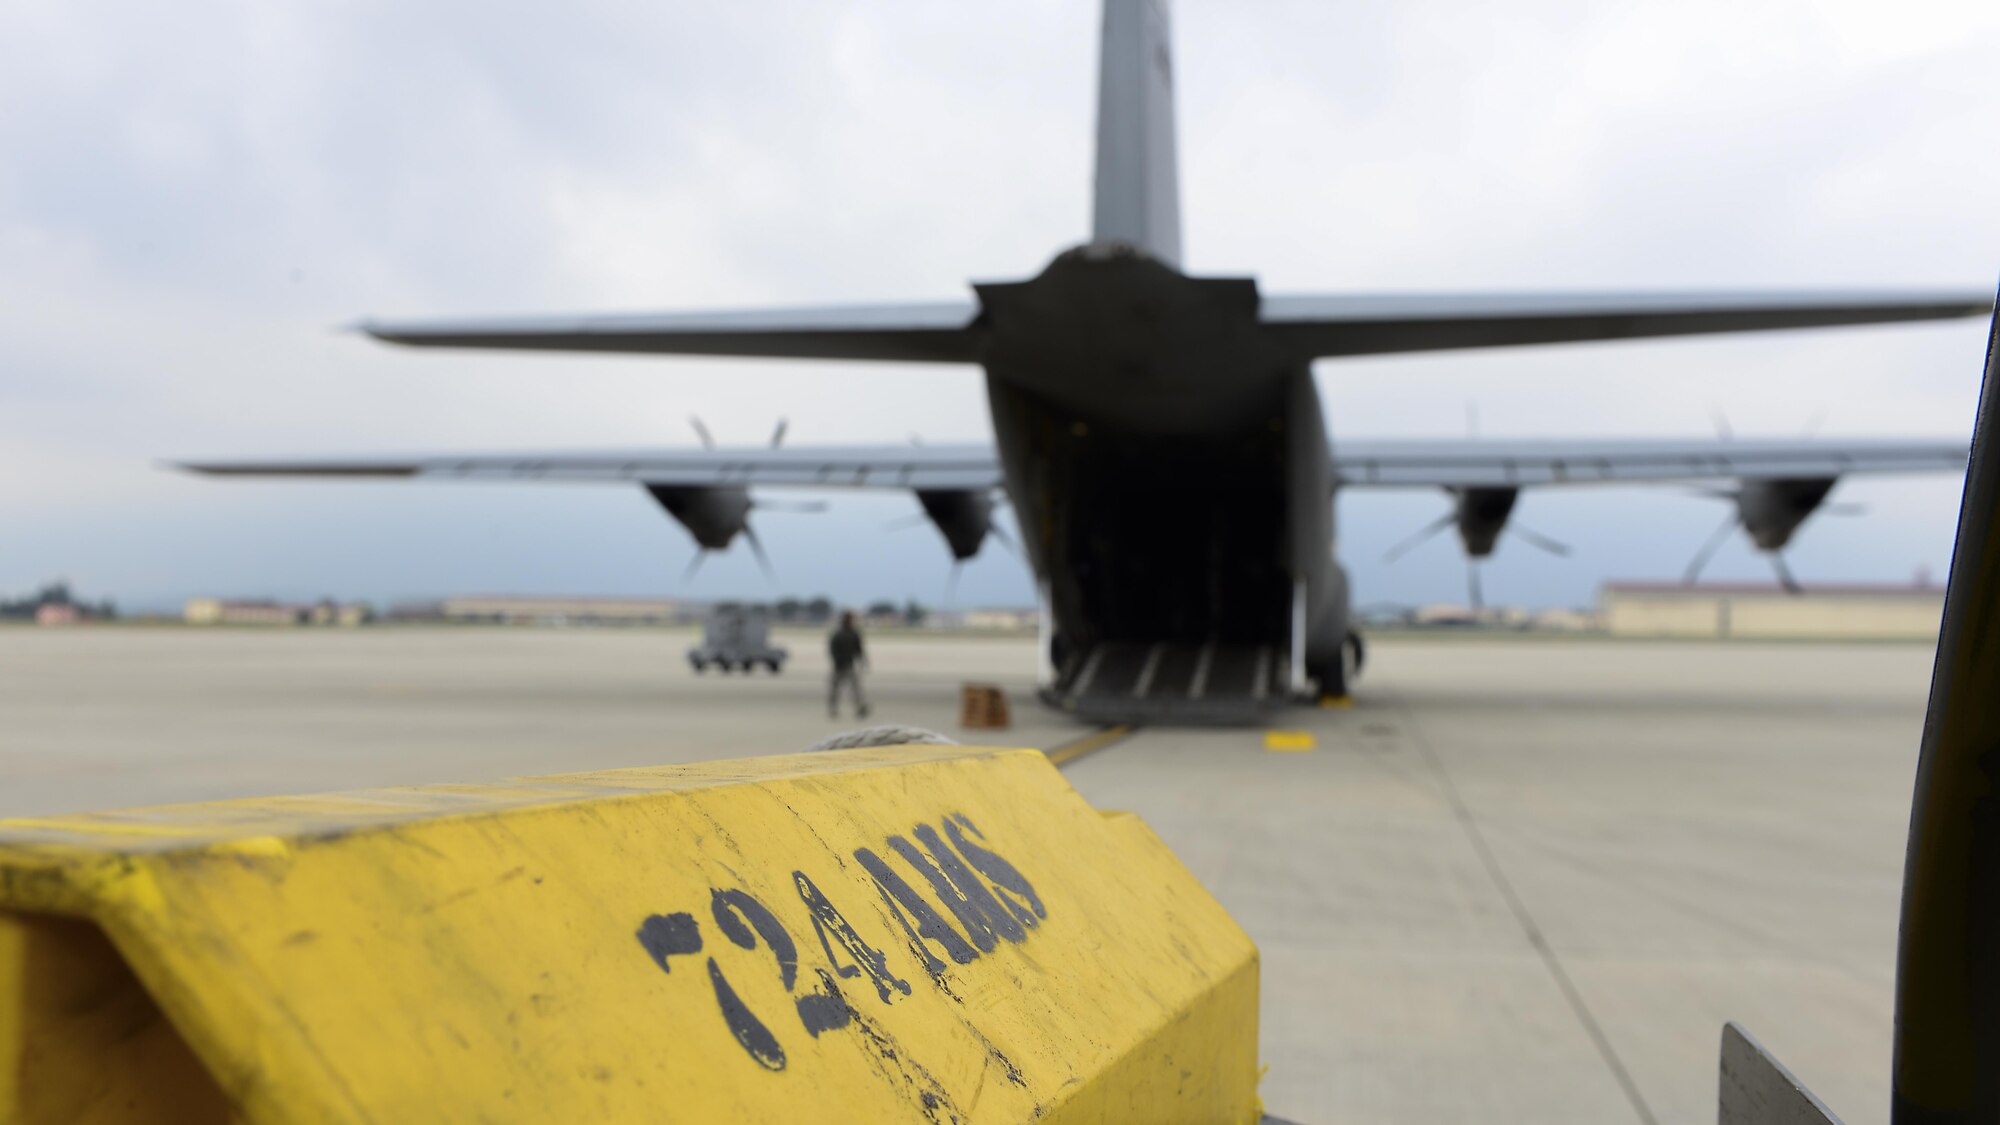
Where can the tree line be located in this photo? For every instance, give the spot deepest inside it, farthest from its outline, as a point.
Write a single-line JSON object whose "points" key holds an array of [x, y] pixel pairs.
{"points": [[56, 594]]}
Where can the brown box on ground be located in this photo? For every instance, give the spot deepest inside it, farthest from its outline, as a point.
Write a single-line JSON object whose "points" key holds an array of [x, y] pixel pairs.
{"points": [[983, 707]]}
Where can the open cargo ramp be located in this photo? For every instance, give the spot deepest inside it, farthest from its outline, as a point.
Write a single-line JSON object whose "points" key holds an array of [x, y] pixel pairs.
{"points": [[1215, 683]]}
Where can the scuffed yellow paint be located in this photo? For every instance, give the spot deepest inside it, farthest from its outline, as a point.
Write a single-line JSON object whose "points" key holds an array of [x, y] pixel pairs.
{"points": [[1288, 741], [475, 953]]}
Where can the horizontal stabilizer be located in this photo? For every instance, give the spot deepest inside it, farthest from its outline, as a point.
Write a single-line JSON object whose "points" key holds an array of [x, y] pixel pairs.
{"points": [[941, 332], [1313, 327]]}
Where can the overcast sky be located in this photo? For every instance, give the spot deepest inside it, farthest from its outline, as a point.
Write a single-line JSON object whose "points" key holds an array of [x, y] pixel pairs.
{"points": [[194, 196]]}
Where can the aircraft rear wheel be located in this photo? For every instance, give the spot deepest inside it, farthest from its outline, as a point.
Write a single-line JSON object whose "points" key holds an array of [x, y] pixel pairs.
{"points": [[1338, 680]]}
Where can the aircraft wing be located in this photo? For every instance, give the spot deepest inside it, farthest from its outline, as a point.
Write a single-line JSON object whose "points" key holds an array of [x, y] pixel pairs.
{"points": [[1363, 463], [891, 466], [1314, 327], [941, 332], [1477, 463]]}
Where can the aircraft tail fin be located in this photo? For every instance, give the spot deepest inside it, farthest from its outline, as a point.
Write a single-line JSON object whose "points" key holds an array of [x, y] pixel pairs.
{"points": [[1137, 198]]}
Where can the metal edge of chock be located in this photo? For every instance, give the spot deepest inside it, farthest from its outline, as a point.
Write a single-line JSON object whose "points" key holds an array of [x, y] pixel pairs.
{"points": [[1947, 1036], [1756, 1089]]}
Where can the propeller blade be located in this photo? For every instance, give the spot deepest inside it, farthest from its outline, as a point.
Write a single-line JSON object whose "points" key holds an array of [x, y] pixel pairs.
{"points": [[1722, 429], [778, 435], [1006, 540], [1472, 584], [917, 440], [1701, 557], [701, 431], [694, 564], [790, 505], [757, 548], [951, 581], [1430, 529], [1553, 547], [1785, 578]]}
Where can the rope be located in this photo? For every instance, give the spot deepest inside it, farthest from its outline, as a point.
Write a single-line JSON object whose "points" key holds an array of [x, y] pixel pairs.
{"points": [[882, 736]]}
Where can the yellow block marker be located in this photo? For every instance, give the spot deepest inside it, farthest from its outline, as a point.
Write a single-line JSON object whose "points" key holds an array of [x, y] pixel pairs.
{"points": [[1336, 702], [1288, 741], [916, 933]]}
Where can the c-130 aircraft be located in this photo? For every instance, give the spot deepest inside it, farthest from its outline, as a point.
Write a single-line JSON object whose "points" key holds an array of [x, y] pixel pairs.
{"points": [[1160, 436]]}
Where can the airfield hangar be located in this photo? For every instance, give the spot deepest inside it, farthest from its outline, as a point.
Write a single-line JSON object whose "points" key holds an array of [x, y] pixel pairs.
{"points": [[1756, 611]]}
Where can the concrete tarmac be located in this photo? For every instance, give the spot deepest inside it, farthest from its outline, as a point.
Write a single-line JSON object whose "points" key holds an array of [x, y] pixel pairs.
{"points": [[1517, 881]]}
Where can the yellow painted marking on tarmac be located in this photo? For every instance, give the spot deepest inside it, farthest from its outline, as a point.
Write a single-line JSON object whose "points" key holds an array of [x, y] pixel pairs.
{"points": [[900, 933], [1336, 702], [1288, 741], [1089, 744]]}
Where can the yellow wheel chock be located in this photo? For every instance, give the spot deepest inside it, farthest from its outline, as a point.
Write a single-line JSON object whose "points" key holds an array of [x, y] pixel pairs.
{"points": [[919, 933]]}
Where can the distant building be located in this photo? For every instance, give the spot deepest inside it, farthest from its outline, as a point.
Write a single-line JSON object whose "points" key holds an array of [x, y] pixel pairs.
{"points": [[1443, 614], [407, 612], [512, 610], [224, 611], [344, 614], [1848, 612], [221, 611], [1564, 621], [1000, 620]]}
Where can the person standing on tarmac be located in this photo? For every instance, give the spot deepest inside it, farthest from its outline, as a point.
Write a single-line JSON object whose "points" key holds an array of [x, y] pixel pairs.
{"points": [[849, 658]]}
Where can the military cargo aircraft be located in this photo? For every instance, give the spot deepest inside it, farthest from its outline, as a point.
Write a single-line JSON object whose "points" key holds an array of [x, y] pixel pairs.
{"points": [[1160, 437]]}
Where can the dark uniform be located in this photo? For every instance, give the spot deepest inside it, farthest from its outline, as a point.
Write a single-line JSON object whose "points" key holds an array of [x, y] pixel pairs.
{"points": [[849, 657]]}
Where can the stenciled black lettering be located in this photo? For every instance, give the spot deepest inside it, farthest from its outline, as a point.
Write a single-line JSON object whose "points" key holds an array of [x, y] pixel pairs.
{"points": [[832, 927], [825, 1010], [901, 897], [997, 870], [731, 908], [744, 1025], [984, 919], [726, 905], [665, 935]]}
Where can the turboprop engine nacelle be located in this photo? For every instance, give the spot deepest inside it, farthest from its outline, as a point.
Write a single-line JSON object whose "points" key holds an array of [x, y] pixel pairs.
{"points": [[1481, 515], [964, 516], [714, 516], [1769, 512], [1772, 510]]}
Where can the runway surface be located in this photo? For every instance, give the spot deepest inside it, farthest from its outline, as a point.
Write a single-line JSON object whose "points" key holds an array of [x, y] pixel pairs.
{"points": [[1517, 881]]}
